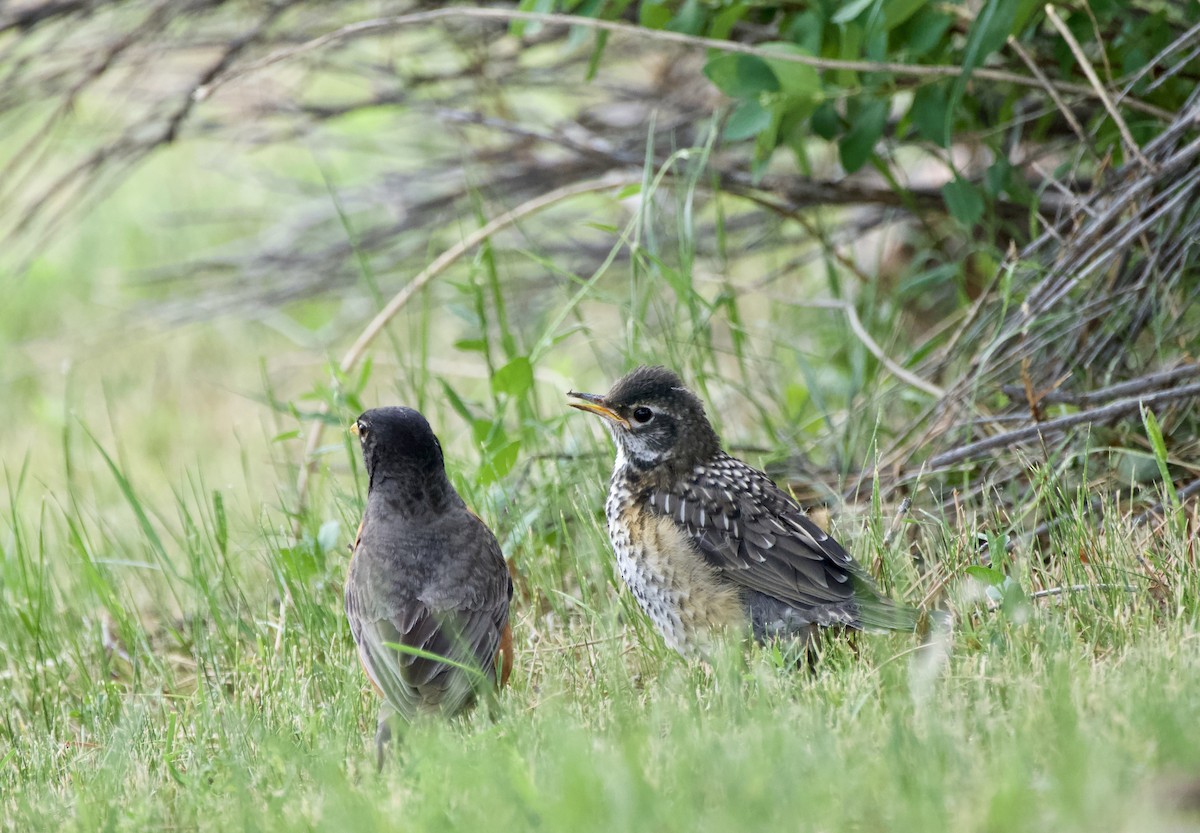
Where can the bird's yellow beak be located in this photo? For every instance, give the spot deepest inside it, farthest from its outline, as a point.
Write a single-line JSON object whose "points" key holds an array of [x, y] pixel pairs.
{"points": [[594, 403], [354, 428]]}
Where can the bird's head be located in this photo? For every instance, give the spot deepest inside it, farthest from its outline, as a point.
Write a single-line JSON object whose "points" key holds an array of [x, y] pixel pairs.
{"points": [[654, 419], [398, 442]]}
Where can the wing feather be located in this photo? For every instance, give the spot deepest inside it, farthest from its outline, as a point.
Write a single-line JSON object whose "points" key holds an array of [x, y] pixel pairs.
{"points": [[461, 618], [754, 533]]}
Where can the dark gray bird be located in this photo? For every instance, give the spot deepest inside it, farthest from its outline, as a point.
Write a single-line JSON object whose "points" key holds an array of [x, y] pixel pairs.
{"points": [[427, 575], [706, 542]]}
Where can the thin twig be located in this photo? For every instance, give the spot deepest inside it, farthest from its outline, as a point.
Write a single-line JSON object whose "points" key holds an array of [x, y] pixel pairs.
{"points": [[896, 370], [856, 326], [1078, 588], [1116, 409], [1071, 198], [1067, 114], [873, 347], [1183, 494], [1103, 95], [894, 529], [384, 24], [1143, 384], [1180, 42]]}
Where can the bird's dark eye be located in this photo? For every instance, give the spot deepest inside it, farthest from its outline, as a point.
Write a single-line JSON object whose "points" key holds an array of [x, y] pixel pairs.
{"points": [[642, 414]]}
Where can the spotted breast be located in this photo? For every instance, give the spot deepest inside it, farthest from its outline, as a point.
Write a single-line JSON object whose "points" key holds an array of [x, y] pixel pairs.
{"points": [[672, 582]]}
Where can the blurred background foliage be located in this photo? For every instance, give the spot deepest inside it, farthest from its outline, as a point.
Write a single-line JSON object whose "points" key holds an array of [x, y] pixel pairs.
{"points": [[893, 228]]}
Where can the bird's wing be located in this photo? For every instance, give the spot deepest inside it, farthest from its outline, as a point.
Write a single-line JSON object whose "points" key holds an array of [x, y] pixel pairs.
{"points": [[465, 626], [752, 532]]}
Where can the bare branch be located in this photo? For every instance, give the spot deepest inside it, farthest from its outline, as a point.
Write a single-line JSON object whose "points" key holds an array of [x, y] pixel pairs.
{"points": [[1116, 409]]}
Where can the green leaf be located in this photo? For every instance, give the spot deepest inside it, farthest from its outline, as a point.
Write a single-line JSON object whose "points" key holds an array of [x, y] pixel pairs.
{"points": [[722, 25], [471, 345], [796, 80], [364, 374], [851, 10], [928, 280], [792, 118], [928, 113], [741, 76], [875, 47], [1027, 8], [514, 378], [748, 119], [1154, 432], [484, 431], [654, 15], [1014, 603], [857, 146], [825, 121], [925, 31], [764, 145], [805, 30], [896, 12], [963, 201], [597, 54], [991, 27], [588, 8], [457, 403], [995, 180], [690, 20], [301, 563], [849, 49], [990, 577], [997, 546], [499, 462], [989, 31], [520, 28], [1136, 466], [220, 522]]}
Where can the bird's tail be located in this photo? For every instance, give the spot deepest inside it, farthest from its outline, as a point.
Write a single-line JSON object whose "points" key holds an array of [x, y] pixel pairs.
{"points": [[881, 614]]}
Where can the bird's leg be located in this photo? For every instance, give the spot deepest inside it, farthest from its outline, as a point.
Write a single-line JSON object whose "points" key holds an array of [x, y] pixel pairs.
{"points": [[383, 733]]}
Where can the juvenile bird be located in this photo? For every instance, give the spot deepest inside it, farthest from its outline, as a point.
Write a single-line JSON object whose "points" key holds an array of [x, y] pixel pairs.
{"points": [[706, 542], [427, 575]]}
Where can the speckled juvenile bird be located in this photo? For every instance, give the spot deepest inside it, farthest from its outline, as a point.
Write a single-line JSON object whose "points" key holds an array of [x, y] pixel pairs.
{"points": [[705, 542], [427, 574]]}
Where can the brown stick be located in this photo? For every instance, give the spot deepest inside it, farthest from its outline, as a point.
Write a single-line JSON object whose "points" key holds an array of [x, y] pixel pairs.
{"points": [[1116, 409], [1133, 386]]}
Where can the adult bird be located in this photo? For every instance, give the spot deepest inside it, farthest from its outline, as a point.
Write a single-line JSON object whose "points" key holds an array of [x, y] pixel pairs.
{"points": [[428, 591], [708, 543]]}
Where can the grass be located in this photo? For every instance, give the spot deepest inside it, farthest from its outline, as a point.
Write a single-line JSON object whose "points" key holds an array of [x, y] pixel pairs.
{"points": [[1079, 715], [146, 544]]}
